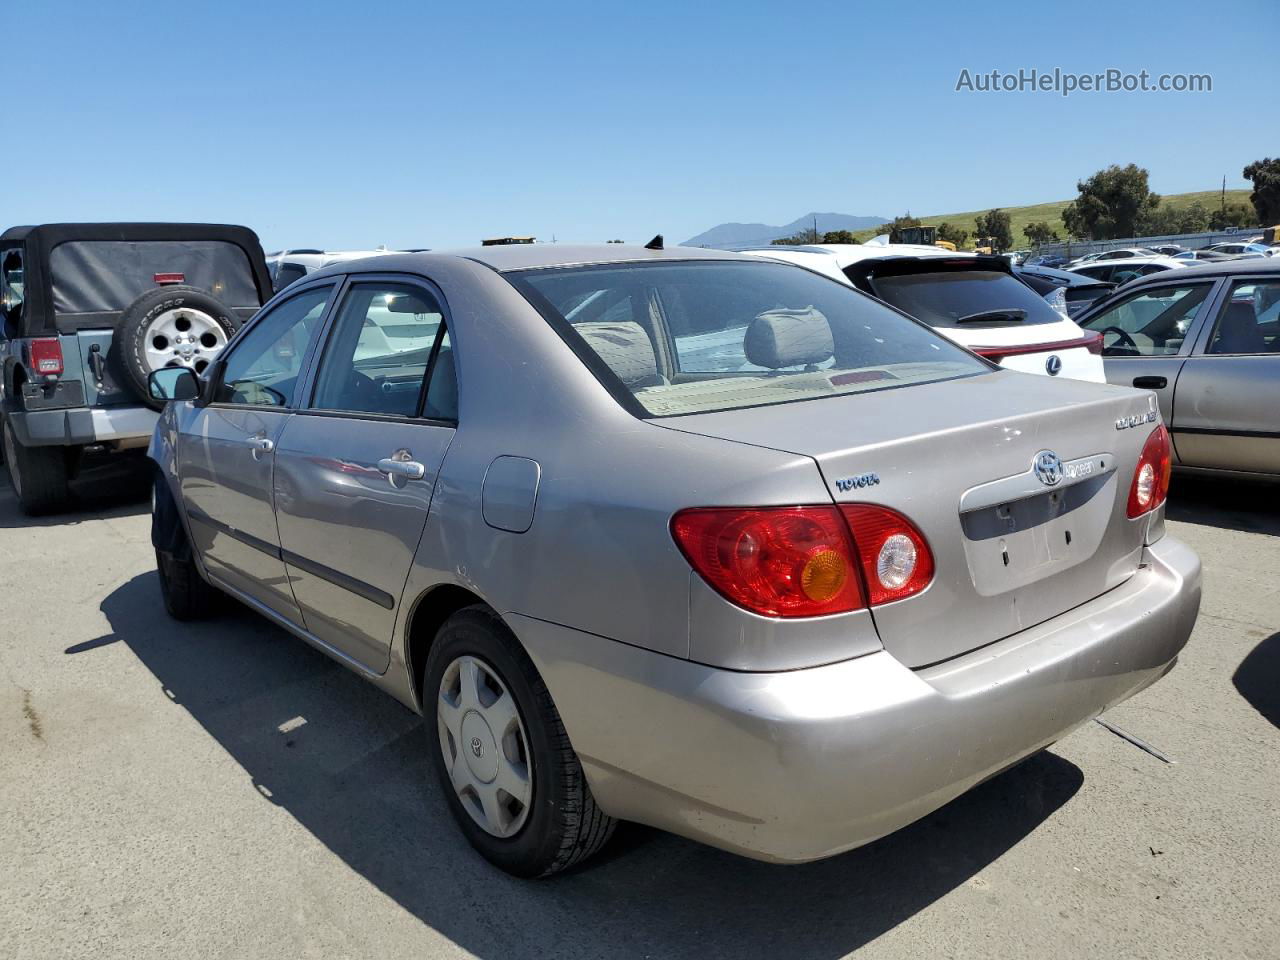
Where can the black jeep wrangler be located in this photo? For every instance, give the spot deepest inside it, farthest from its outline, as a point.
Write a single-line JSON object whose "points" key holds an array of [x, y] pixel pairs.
{"points": [[87, 311]]}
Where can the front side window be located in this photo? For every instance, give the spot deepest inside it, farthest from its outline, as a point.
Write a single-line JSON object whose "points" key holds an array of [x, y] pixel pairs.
{"points": [[1249, 322], [969, 299], [263, 366], [1152, 323], [377, 356], [696, 337]]}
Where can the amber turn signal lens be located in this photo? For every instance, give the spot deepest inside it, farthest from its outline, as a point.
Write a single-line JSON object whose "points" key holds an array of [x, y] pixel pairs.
{"points": [[824, 575]]}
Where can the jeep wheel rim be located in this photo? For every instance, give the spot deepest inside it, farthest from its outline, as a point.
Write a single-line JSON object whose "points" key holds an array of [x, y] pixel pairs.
{"points": [[182, 337], [484, 746]]}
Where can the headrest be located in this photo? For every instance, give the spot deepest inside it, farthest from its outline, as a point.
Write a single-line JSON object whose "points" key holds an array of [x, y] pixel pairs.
{"points": [[624, 346], [1239, 331], [788, 338]]}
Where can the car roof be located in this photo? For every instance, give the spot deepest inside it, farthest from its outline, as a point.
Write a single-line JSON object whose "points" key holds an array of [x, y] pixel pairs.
{"points": [[1133, 261], [1068, 277], [526, 256], [1219, 268]]}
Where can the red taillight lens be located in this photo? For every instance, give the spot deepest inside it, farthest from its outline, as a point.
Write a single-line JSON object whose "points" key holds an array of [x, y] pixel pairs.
{"points": [[46, 357], [778, 561], [1151, 479], [164, 279], [1094, 343], [895, 558], [805, 561]]}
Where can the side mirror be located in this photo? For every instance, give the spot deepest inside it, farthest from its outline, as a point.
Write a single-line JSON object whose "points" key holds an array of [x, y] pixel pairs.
{"points": [[173, 383]]}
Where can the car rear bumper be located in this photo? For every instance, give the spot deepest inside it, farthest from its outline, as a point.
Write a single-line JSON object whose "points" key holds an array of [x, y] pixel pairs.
{"points": [[75, 426], [805, 764]]}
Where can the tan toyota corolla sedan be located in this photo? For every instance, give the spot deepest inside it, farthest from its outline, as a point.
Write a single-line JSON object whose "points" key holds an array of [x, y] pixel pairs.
{"points": [[690, 538]]}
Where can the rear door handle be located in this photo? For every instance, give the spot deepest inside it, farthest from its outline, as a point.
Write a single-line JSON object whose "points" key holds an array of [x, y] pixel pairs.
{"points": [[1151, 383], [408, 469], [261, 443]]}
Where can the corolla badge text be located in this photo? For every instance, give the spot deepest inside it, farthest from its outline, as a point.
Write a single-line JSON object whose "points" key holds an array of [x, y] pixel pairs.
{"points": [[846, 484], [1137, 420]]}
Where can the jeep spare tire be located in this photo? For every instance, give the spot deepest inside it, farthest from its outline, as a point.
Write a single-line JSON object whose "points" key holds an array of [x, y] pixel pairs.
{"points": [[173, 326]]}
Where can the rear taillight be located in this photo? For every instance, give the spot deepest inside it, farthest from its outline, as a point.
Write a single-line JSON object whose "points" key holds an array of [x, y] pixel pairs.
{"points": [[1151, 479], [45, 356], [164, 279], [896, 560], [778, 561], [805, 561]]}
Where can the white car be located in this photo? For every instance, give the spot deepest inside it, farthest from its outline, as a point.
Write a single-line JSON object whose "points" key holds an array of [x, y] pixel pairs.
{"points": [[1122, 271], [286, 266], [1244, 248], [974, 300], [1121, 253]]}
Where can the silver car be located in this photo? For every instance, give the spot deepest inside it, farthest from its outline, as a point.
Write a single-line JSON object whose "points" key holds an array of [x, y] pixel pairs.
{"points": [[783, 599], [1207, 340]]}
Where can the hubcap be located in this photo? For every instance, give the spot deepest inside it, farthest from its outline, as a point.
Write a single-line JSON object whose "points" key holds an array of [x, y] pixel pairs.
{"points": [[485, 749], [183, 337]]}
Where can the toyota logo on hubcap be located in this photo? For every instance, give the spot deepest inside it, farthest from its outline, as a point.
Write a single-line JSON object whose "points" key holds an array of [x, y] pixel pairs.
{"points": [[1048, 468], [477, 747]]}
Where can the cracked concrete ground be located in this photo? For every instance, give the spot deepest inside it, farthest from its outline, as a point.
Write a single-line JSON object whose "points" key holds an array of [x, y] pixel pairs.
{"points": [[222, 791]]}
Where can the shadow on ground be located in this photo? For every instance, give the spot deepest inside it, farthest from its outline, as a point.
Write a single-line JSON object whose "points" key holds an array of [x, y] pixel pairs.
{"points": [[354, 775], [1258, 678], [1247, 505], [106, 487]]}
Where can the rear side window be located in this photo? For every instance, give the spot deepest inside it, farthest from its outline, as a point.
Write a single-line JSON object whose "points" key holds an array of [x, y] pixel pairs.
{"points": [[969, 299], [378, 353], [681, 338]]}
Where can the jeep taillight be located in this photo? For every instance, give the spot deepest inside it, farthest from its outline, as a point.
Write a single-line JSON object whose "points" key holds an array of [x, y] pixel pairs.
{"points": [[807, 561], [44, 356], [1151, 478]]}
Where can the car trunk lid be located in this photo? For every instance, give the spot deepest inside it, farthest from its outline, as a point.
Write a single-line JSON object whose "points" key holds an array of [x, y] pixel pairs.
{"points": [[959, 460]]}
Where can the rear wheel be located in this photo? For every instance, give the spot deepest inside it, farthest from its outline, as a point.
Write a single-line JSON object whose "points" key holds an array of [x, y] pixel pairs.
{"points": [[513, 783], [38, 474]]}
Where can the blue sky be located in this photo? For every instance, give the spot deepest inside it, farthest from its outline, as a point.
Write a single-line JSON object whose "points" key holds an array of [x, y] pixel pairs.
{"points": [[346, 125]]}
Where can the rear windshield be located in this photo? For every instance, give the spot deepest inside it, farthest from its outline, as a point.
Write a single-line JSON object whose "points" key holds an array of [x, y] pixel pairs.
{"points": [[683, 338], [967, 299], [100, 276]]}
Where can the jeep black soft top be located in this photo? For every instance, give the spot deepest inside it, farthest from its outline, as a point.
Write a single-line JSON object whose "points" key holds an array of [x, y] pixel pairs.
{"points": [[84, 275], [89, 310]]}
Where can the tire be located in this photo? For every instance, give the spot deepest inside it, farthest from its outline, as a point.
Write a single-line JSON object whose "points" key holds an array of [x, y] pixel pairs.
{"points": [[38, 475], [166, 314], [186, 594], [561, 824]]}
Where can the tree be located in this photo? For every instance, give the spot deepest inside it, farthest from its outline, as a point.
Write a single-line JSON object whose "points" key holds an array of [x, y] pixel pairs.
{"points": [[839, 236], [1110, 204], [806, 236], [1265, 175], [1040, 232], [1193, 218], [994, 227], [952, 234], [1232, 215]]}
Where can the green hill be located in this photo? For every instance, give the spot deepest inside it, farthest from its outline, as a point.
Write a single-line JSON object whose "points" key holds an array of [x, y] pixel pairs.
{"points": [[1019, 217]]}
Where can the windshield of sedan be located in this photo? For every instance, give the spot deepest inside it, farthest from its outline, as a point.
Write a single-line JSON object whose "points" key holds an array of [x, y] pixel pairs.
{"points": [[695, 337], [968, 299]]}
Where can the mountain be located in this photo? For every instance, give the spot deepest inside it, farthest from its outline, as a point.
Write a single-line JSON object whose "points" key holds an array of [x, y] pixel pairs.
{"points": [[761, 234]]}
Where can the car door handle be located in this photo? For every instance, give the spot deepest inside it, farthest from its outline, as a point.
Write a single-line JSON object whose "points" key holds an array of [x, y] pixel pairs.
{"points": [[408, 469], [261, 443], [1150, 383]]}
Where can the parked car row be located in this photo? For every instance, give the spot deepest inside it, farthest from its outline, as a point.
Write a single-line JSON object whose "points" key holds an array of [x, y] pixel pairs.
{"points": [[723, 544]]}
